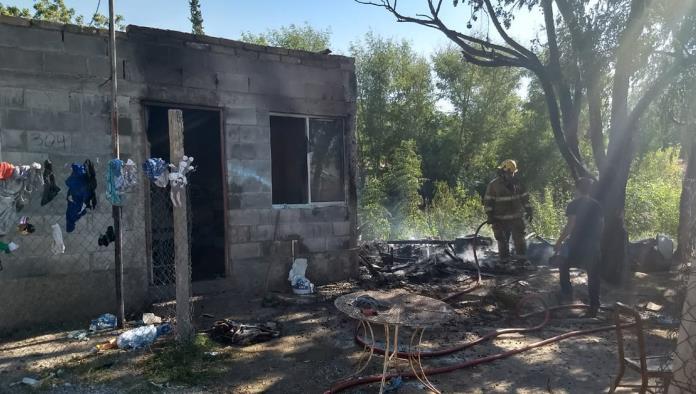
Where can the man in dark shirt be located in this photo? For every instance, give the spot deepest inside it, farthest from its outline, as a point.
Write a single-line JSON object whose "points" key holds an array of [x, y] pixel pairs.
{"points": [[579, 242]]}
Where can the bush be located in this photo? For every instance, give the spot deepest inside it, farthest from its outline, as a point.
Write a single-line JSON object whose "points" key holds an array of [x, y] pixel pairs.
{"points": [[549, 213], [453, 213], [653, 193], [373, 216]]}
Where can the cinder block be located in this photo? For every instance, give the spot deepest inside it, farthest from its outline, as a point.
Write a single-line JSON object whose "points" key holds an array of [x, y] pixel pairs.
{"points": [[249, 151], [90, 104], [332, 213], [93, 45], [244, 217], [63, 63], [269, 57], [17, 59], [240, 116], [232, 82], [341, 228], [264, 232], [239, 234], [96, 124], [337, 243], [255, 200], [11, 97], [290, 59], [30, 38], [199, 78], [245, 250], [313, 245], [99, 67], [41, 120], [53, 100], [12, 139]]}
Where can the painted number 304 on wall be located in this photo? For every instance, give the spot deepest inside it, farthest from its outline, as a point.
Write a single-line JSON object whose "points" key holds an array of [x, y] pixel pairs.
{"points": [[48, 141]]}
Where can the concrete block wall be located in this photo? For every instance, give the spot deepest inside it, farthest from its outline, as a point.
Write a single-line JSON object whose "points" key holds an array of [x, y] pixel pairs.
{"points": [[54, 103]]}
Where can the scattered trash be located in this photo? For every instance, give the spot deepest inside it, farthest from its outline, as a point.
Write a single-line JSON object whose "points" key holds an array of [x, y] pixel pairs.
{"points": [[653, 307], [104, 322], [212, 354], [80, 335], [300, 284], [141, 336], [233, 333], [151, 318], [31, 382], [394, 385], [367, 302], [110, 344]]}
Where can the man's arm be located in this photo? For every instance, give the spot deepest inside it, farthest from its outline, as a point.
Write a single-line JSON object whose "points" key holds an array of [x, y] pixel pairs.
{"points": [[567, 230]]}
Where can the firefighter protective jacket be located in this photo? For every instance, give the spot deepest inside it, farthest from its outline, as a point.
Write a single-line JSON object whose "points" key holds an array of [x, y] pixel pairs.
{"points": [[506, 201]]}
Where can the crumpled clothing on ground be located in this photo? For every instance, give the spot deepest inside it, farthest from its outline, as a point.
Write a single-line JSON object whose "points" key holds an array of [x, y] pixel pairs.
{"points": [[234, 333], [81, 194]]}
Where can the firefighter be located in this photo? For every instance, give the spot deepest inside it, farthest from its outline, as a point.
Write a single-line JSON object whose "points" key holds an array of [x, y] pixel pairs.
{"points": [[507, 202]]}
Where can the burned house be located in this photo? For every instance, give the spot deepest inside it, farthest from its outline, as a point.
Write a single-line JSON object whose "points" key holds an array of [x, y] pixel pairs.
{"points": [[272, 132]]}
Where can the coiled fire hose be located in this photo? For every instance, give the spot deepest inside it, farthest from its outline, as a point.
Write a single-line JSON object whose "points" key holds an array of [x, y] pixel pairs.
{"points": [[357, 381]]}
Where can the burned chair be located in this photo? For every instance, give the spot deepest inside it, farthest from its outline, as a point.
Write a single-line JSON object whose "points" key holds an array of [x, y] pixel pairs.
{"points": [[649, 367]]}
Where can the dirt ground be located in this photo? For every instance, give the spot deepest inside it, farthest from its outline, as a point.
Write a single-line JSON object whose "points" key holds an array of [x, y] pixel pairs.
{"points": [[317, 348]]}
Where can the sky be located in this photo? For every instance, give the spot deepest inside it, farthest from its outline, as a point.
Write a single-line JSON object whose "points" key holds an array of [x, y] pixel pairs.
{"points": [[347, 20]]}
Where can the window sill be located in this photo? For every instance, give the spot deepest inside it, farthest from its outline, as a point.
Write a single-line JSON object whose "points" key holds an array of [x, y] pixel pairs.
{"points": [[310, 205]]}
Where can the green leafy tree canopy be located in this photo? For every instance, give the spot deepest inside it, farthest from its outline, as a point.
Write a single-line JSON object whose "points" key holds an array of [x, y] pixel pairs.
{"points": [[302, 37], [56, 11]]}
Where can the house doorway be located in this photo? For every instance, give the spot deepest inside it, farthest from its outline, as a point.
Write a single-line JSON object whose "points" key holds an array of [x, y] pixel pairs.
{"points": [[202, 141]]}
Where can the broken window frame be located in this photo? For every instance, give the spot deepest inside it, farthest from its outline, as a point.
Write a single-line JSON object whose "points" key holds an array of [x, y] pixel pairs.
{"points": [[311, 203]]}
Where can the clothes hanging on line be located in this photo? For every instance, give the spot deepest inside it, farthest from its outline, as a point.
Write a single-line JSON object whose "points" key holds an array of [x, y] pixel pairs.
{"points": [[121, 178], [178, 180], [155, 169], [14, 193], [82, 186], [6, 170], [50, 190]]}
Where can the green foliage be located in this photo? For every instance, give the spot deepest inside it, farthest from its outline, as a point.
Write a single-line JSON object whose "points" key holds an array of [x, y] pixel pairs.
{"points": [[549, 212], [56, 11], [453, 213], [303, 37], [395, 99], [403, 180], [196, 17], [15, 11], [373, 216], [188, 364], [652, 194]]}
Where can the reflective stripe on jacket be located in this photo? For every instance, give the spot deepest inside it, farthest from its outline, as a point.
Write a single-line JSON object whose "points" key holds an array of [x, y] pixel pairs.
{"points": [[505, 201]]}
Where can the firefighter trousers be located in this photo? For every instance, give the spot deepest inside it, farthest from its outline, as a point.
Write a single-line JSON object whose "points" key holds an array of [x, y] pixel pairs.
{"points": [[503, 230]]}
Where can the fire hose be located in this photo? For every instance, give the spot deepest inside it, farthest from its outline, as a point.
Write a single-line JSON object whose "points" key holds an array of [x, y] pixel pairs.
{"points": [[357, 381]]}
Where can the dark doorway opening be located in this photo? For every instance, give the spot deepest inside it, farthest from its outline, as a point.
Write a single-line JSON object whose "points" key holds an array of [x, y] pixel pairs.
{"points": [[203, 141]]}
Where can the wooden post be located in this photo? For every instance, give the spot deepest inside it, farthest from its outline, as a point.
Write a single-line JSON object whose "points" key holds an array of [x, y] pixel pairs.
{"points": [[116, 152], [184, 329]]}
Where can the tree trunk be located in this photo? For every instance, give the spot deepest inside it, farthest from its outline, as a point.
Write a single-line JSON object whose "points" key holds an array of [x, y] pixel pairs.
{"points": [[684, 380], [611, 194], [687, 218]]}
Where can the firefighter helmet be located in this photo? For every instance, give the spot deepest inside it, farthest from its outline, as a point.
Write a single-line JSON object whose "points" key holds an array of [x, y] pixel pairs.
{"points": [[509, 166]]}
